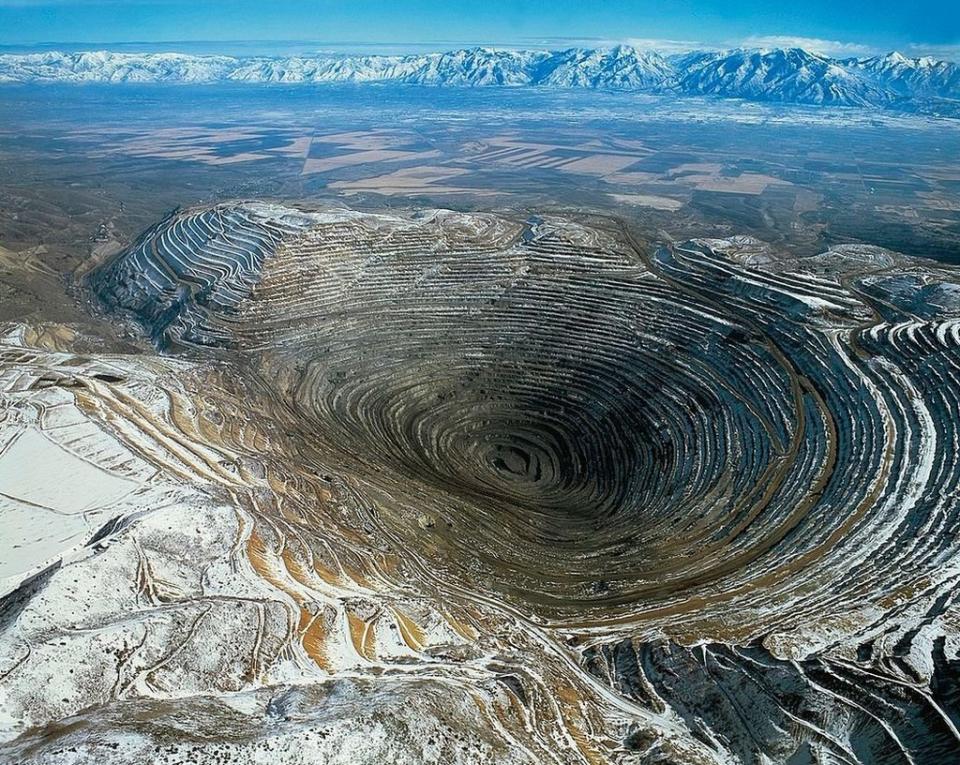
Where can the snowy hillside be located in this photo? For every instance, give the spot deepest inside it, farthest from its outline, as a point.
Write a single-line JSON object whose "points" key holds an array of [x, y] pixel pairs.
{"points": [[789, 76]]}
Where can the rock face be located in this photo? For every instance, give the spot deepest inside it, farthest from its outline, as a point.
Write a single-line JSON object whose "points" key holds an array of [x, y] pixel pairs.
{"points": [[782, 76], [577, 497]]}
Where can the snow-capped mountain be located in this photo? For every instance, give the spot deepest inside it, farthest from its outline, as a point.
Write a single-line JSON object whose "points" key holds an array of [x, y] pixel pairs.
{"points": [[622, 68], [791, 76], [910, 76], [476, 67], [105, 66], [300, 69]]}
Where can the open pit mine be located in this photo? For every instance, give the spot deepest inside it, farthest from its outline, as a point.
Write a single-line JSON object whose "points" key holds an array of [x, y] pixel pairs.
{"points": [[443, 487]]}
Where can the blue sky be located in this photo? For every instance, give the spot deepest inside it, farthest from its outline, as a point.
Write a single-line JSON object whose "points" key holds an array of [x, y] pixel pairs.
{"points": [[834, 26]]}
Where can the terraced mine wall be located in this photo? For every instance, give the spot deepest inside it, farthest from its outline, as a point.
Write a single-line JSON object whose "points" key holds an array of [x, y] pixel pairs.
{"points": [[692, 503]]}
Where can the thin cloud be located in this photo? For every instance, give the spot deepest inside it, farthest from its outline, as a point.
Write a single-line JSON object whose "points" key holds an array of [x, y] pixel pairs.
{"points": [[949, 52], [835, 48], [667, 46], [641, 43]]}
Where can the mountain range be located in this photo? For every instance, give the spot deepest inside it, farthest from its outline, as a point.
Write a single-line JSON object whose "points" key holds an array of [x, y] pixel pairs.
{"points": [[788, 76]]}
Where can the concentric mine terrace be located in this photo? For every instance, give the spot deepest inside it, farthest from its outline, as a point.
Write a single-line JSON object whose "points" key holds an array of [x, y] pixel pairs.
{"points": [[448, 487]]}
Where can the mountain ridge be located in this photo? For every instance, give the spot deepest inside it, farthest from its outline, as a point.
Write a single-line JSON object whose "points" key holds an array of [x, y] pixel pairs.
{"points": [[779, 75]]}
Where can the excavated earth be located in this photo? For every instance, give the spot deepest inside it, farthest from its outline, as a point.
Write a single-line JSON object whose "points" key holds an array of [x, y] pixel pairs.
{"points": [[457, 488]]}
